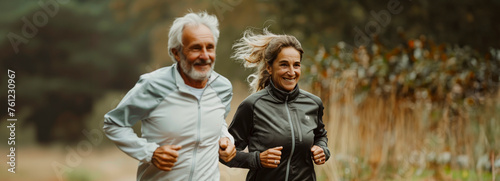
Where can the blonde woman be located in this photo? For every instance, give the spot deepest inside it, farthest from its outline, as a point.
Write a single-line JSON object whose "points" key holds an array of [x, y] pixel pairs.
{"points": [[279, 123]]}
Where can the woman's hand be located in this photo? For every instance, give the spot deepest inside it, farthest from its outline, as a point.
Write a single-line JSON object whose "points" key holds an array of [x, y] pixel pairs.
{"points": [[271, 157], [318, 155]]}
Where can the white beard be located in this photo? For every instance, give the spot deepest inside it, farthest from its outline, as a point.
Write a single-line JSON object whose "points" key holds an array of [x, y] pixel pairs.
{"points": [[191, 71]]}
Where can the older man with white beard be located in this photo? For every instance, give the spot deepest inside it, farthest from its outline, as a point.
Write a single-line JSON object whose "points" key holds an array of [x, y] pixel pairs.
{"points": [[182, 108]]}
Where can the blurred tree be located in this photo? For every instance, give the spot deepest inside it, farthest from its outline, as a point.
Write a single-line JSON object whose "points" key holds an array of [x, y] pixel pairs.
{"points": [[79, 54], [154, 18], [89, 47], [462, 22]]}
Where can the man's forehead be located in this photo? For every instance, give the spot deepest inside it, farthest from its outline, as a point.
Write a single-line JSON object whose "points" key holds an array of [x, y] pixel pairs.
{"points": [[197, 29], [196, 32]]}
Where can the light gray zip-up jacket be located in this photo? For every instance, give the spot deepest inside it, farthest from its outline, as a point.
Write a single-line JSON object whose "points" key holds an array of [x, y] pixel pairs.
{"points": [[172, 115]]}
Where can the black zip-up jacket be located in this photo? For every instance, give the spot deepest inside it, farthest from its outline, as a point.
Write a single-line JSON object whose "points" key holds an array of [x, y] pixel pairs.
{"points": [[271, 118]]}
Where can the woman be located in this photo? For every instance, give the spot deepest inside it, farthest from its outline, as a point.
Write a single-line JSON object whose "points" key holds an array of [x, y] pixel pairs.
{"points": [[280, 123]]}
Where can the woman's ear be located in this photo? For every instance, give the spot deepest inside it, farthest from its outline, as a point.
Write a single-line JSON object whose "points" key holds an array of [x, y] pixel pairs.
{"points": [[269, 69]]}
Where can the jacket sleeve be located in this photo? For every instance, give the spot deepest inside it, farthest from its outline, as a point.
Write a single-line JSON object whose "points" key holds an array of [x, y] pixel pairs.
{"points": [[135, 106], [226, 100], [320, 138], [225, 133], [241, 128]]}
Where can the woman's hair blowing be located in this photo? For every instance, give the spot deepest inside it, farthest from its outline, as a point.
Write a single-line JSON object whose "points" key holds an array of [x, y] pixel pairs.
{"points": [[259, 51]]}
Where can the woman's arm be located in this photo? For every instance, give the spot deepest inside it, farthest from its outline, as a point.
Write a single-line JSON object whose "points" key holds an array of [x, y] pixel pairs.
{"points": [[320, 138], [241, 128]]}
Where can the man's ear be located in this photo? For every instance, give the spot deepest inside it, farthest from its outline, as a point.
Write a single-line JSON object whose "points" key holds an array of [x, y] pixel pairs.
{"points": [[176, 54]]}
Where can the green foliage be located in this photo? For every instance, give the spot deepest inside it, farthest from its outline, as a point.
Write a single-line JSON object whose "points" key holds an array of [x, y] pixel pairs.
{"points": [[316, 22], [414, 70]]}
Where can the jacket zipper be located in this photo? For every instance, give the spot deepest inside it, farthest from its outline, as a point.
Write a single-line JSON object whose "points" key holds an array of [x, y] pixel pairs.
{"points": [[193, 163], [293, 139], [299, 128]]}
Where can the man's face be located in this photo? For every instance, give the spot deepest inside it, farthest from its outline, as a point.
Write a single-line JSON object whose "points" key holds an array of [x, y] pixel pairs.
{"points": [[197, 57]]}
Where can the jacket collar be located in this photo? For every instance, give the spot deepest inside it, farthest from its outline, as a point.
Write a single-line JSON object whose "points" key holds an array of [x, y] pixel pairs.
{"points": [[282, 95]]}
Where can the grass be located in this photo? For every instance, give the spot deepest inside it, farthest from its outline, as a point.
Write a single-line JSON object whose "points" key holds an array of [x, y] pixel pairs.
{"points": [[390, 123]]}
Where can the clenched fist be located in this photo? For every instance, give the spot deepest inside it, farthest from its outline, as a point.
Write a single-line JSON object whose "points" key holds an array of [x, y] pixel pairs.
{"points": [[271, 158], [318, 155], [227, 151], [164, 157]]}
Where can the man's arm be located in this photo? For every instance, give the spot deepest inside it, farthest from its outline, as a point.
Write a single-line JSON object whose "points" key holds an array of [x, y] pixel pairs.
{"points": [[227, 150], [118, 123], [225, 133]]}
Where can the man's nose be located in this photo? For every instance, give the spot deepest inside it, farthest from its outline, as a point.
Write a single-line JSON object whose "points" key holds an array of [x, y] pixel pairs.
{"points": [[204, 55]]}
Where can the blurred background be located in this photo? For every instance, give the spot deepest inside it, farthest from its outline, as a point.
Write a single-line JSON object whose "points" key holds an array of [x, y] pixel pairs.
{"points": [[410, 88]]}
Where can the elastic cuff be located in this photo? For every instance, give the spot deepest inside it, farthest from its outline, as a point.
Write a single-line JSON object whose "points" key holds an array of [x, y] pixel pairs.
{"points": [[150, 149], [257, 159], [327, 152]]}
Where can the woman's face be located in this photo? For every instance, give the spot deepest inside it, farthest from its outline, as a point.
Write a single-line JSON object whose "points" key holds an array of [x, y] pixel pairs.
{"points": [[285, 70]]}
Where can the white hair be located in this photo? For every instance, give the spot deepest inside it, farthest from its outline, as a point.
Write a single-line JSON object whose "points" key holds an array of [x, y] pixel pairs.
{"points": [[201, 18]]}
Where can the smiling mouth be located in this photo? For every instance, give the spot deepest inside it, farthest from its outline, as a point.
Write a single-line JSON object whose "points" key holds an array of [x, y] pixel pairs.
{"points": [[289, 79], [202, 62]]}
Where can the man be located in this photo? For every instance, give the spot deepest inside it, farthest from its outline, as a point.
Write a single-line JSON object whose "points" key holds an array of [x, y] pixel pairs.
{"points": [[182, 108]]}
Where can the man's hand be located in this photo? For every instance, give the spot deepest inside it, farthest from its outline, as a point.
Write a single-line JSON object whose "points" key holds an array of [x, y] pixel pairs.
{"points": [[227, 151], [271, 158], [318, 155], [165, 157]]}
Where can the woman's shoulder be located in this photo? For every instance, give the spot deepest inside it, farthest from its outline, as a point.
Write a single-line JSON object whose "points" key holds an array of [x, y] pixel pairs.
{"points": [[253, 98], [311, 96]]}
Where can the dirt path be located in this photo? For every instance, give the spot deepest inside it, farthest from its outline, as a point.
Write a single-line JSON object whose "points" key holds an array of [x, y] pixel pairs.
{"points": [[108, 164]]}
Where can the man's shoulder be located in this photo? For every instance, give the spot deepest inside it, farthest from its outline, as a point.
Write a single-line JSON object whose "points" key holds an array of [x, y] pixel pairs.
{"points": [[221, 79], [158, 74], [220, 82], [161, 81]]}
